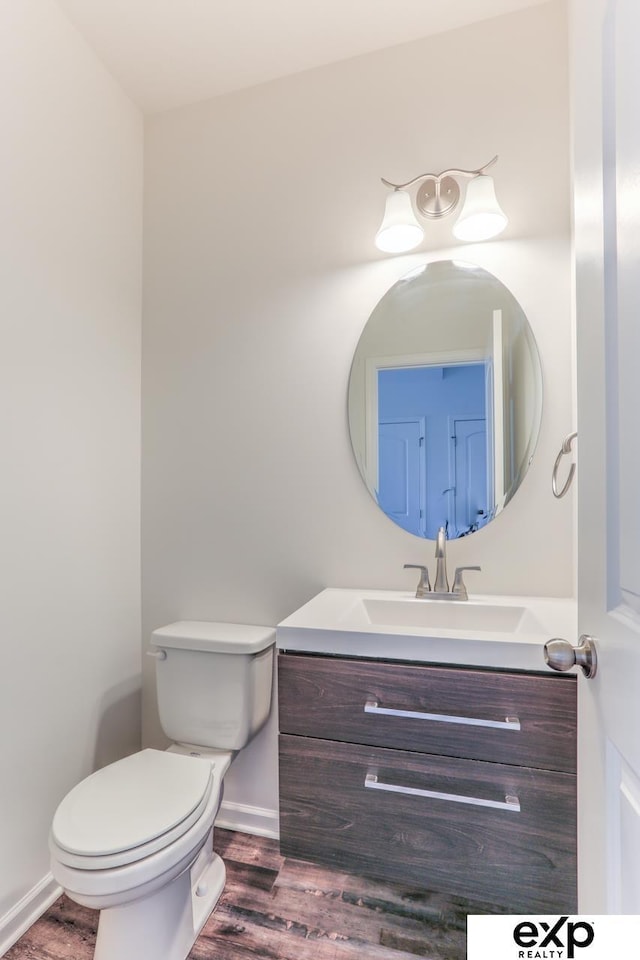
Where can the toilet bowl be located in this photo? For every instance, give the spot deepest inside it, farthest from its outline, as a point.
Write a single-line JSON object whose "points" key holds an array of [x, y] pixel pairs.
{"points": [[138, 834], [135, 839]]}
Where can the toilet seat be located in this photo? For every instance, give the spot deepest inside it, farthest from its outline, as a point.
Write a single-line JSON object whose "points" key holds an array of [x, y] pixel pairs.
{"points": [[100, 888], [131, 809]]}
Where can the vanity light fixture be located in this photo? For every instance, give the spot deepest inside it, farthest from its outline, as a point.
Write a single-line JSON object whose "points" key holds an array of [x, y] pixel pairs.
{"points": [[437, 196]]}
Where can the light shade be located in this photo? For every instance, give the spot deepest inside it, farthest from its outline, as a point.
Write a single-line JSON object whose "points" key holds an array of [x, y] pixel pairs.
{"points": [[481, 217], [399, 230]]}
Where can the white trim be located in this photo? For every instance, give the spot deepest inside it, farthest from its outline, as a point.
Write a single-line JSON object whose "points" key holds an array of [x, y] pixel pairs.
{"points": [[497, 422], [440, 358], [259, 821], [25, 913]]}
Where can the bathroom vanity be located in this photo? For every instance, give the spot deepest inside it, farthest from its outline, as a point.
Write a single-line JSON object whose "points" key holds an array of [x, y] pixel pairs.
{"points": [[407, 752]]}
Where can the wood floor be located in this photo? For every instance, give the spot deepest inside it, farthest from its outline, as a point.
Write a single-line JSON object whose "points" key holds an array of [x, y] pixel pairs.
{"points": [[278, 909]]}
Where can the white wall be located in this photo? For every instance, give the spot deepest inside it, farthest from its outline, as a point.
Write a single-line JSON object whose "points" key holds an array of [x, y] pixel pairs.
{"points": [[70, 299], [260, 273]]}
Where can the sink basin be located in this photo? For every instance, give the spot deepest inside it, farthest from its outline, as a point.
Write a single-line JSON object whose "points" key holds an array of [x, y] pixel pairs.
{"points": [[493, 631], [447, 615]]}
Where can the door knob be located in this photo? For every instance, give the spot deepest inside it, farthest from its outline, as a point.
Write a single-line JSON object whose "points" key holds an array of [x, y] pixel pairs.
{"points": [[560, 655]]}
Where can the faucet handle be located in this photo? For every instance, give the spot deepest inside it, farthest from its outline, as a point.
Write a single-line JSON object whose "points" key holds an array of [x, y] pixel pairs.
{"points": [[424, 586], [459, 589]]}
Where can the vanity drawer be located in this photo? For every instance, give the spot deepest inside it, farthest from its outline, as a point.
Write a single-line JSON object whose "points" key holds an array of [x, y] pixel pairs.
{"points": [[519, 853], [525, 719]]}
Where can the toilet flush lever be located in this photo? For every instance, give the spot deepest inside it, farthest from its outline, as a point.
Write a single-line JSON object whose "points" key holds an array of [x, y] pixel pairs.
{"points": [[158, 654]]}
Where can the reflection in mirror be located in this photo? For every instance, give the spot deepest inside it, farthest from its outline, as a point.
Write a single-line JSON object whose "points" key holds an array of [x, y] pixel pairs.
{"points": [[445, 399]]}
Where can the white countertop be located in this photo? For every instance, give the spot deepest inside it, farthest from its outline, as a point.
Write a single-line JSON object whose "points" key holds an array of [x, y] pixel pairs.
{"points": [[394, 625]]}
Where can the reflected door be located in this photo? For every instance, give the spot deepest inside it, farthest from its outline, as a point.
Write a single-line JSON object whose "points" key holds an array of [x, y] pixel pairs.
{"points": [[469, 475], [432, 397], [402, 472]]}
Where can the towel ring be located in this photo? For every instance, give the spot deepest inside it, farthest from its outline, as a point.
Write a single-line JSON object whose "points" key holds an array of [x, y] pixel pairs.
{"points": [[564, 450]]}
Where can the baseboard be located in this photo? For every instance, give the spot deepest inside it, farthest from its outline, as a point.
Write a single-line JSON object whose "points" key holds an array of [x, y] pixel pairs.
{"points": [[18, 920], [260, 821]]}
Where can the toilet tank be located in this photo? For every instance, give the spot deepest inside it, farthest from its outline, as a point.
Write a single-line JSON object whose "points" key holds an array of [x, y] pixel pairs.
{"points": [[214, 681]]}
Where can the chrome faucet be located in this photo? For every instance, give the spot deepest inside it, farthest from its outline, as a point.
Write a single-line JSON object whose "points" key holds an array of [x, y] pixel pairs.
{"points": [[441, 586], [442, 583]]}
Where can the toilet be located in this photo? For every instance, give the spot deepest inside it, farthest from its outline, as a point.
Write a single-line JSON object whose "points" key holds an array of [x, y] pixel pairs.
{"points": [[135, 839]]}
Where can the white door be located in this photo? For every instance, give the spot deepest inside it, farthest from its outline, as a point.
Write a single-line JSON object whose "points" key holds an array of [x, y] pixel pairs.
{"points": [[402, 484], [606, 92], [468, 459]]}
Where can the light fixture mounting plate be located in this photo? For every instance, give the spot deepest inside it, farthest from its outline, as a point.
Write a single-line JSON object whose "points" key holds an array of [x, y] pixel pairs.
{"points": [[437, 197]]}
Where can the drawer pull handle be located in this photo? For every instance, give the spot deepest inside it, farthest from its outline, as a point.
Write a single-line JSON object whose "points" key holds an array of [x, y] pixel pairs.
{"points": [[510, 803], [509, 723]]}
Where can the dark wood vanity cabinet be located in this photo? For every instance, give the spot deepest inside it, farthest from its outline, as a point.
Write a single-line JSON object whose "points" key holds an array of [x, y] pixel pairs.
{"points": [[459, 780]]}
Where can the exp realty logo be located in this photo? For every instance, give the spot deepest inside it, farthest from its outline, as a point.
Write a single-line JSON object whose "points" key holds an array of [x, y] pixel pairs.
{"points": [[558, 937], [557, 941]]}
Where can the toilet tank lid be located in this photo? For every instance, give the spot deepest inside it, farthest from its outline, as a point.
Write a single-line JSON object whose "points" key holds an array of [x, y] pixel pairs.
{"points": [[214, 637]]}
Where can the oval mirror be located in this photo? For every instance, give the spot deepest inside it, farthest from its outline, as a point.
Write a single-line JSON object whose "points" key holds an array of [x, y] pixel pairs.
{"points": [[445, 399]]}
